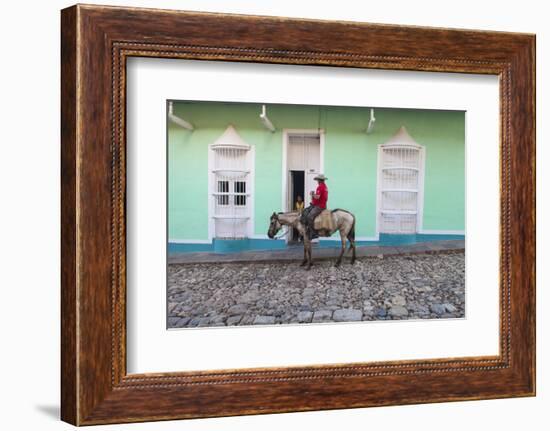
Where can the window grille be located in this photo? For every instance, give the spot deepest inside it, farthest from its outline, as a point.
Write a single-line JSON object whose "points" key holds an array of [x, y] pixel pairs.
{"points": [[231, 203], [240, 193], [223, 192], [400, 170]]}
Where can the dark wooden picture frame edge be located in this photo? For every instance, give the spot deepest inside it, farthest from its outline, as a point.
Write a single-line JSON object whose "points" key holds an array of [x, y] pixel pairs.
{"points": [[95, 43]]}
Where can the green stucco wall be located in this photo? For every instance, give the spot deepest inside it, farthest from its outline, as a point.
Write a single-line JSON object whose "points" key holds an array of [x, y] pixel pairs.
{"points": [[350, 159]]}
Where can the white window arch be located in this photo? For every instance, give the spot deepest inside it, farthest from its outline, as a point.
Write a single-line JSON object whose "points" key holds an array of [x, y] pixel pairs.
{"points": [[230, 187], [400, 184]]}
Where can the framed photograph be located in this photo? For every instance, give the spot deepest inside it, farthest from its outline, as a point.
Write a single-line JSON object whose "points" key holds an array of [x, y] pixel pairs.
{"points": [[264, 214]]}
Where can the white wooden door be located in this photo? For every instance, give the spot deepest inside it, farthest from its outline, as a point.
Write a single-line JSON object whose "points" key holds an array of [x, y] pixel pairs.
{"points": [[304, 154]]}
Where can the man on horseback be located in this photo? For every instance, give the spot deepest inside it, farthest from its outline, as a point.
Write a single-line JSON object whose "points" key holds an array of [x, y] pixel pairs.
{"points": [[318, 204], [342, 221]]}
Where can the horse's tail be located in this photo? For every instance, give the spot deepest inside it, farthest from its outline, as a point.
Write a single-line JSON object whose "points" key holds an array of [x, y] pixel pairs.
{"points": [[351, 234]]}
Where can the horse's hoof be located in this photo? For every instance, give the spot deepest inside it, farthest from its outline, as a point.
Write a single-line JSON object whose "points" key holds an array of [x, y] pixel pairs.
{"points": [[353, 261], [303, 263], [337, 264]]}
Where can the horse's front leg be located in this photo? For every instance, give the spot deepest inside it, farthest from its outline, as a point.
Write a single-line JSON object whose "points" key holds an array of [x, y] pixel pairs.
{"points": [[305, 255]]}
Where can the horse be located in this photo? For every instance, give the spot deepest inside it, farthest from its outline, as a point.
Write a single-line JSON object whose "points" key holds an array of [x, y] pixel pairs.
{"points": [[343, 222]]}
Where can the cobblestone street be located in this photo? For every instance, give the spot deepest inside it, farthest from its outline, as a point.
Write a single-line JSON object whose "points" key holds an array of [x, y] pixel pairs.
{"points": [[415, 286]]}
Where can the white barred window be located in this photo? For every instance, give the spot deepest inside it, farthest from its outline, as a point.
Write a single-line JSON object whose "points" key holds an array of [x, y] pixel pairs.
{"points": [[230, 170], [400, 172]]}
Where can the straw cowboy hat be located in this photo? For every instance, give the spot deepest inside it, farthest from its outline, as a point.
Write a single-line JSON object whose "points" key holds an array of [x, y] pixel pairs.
{"points": [[320, 177]]}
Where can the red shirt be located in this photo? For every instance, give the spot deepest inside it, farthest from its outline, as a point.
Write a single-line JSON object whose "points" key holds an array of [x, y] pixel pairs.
{"points": [[322, 191]]}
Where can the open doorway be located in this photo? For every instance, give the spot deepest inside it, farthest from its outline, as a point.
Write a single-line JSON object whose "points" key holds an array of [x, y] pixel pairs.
{"points": [[297, 186], [302, 161]]}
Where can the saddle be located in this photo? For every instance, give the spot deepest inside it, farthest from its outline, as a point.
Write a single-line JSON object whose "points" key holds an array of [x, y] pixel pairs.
{"points": [[324, 222]]}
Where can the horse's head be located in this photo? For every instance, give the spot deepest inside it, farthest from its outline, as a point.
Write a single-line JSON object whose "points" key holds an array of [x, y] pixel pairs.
{"points": [[274, 226]]}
